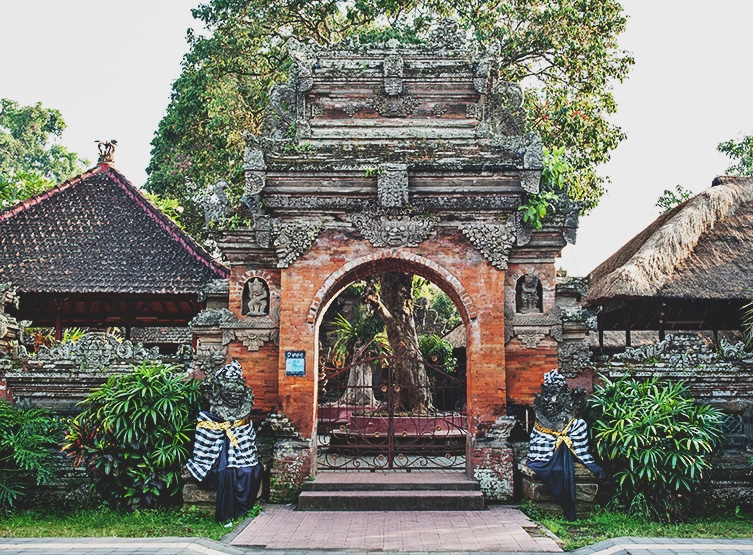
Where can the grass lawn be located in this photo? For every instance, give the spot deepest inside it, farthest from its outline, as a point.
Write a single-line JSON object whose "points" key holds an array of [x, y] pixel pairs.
{"points": [[603, 525], [104, 522]]}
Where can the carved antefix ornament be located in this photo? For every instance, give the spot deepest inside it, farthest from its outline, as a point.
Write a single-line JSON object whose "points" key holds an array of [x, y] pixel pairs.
{"points": [[392, 185], [393, 228], [494, 241], [293, 239]]}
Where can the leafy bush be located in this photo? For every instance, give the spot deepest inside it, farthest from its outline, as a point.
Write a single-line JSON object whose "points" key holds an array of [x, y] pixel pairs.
{"points": [[437, 352], [27, 436], [657, 441], [134, 433]]}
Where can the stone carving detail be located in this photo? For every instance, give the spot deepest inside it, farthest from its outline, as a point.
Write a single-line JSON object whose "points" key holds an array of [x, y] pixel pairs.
{"points": [[291, 240], [215, 202], [96, 350], [530, 181], [351, 109], [573, 358], [530, 336], [447, 35], [317, 109], [280, 113], [252, 332], [393, 74], [439, 110], [393, 106], [523, 230], [393, 228], [228, 395], [251, 339], [254, 168], [255, 298], [484, 66], [8, 298], [263, 230], [424, 205], [210, 358], [214, 288], [684, 350], [528, 295], [474, 111], [527, 147], [557, 405], [509, 317], [301, 73], [505, 110], [392, 185], [494, 241]]}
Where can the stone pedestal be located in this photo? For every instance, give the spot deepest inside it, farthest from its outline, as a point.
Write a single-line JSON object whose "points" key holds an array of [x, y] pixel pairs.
{"points": [[492, 461], [194, 496], [541, 496]]}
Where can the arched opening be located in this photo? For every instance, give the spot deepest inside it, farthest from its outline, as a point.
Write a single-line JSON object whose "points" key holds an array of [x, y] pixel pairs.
{"points": [[370, 416]]}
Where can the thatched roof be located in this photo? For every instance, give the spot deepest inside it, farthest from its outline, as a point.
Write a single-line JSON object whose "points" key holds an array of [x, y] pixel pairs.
{"points": [[700, 250], [456, 337]]}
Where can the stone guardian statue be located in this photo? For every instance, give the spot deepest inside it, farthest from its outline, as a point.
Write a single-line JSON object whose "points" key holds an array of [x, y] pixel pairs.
{"points": [[225, 456], [558, 426]]}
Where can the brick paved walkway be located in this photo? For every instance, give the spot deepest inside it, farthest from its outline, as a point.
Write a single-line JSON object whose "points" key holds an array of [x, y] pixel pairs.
{"points": [[500, 529]]}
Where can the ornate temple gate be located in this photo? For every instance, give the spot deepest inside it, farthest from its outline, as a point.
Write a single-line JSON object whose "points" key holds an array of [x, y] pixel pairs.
{"points": [[365, 421], [390, 158]]}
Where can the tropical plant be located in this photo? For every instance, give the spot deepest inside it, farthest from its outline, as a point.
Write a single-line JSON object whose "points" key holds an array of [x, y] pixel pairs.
{"points": [[555, 178], [748, 323], [134, 435], [27, 437], [655, 441], [437, 352]]}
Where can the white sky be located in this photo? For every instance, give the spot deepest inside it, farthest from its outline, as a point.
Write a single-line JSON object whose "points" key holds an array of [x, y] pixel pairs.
{"points": [[108, 67]]}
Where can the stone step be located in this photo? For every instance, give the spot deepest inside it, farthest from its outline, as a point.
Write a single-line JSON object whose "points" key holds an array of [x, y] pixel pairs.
{"points": [[391, 491], [391, 481], [406, 500]]}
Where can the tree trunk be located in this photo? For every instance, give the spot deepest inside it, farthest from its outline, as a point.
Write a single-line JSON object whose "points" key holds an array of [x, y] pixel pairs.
{"points": [[360, 386], [394, 305]]}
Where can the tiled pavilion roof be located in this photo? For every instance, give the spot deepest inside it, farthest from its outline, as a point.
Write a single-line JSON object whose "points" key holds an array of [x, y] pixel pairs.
{"points": [[96, 233], [95, 244]]}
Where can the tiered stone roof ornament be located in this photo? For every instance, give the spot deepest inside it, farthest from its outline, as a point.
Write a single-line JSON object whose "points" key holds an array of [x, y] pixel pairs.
{"points": [[367, 130]]}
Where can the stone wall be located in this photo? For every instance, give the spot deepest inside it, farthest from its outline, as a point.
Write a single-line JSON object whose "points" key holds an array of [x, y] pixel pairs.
{"points": [[60, 376]]}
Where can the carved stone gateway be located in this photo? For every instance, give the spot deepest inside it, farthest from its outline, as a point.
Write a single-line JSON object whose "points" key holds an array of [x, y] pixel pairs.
{"points": [[390, 158]]}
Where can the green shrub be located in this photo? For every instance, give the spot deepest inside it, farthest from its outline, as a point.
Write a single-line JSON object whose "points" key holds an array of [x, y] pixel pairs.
{"points": [[134, 435], [656, 442], [27, 436]]}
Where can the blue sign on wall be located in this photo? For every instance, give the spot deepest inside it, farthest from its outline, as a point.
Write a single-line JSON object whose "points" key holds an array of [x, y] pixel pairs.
{"points": [[295, 363]]}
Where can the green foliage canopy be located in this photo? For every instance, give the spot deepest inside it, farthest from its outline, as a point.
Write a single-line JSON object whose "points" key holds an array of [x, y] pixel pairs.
{"points": [[656, 442], [134, 435], [30, 161], [741, 152], [564, 52], [669, 198]]}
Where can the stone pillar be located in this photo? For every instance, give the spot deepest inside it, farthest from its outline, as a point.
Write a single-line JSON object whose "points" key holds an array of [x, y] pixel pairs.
{"points": [[492, 461]]}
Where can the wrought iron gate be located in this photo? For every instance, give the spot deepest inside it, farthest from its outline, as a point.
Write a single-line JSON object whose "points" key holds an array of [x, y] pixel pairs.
{"points": [[368, 420]]}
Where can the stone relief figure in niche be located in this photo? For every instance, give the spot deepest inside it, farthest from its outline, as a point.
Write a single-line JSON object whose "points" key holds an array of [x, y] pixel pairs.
{"points": [[225, 455], [528, 295], [560, 439], [255, 298]]}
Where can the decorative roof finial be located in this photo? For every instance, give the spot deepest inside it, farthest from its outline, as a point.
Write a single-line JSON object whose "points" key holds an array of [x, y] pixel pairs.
{"points": [[106, 151]]}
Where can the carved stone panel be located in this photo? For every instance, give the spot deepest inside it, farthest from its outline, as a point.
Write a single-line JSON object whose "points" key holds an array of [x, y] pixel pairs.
{"points": [[293, 239], [392, 185], [393, 228], [393, 106], [494, 241], [255, 298]]}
